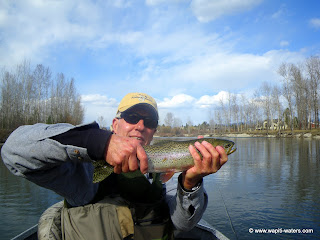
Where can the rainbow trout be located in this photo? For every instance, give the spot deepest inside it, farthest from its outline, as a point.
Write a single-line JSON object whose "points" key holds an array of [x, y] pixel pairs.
{"points": [[165, 156]]}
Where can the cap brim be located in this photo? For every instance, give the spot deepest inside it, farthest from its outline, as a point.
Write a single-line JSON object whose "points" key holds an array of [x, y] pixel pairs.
{"points": [[145, 106]]}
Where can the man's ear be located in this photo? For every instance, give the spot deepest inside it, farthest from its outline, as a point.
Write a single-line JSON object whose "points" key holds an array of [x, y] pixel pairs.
{"points": [[115, 123]]}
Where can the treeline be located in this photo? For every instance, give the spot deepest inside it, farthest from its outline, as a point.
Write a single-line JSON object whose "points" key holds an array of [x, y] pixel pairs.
{"points": [[31, 95], [293, 104]]}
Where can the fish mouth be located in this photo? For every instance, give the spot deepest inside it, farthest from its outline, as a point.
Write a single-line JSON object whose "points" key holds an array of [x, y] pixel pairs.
{"points": [[231, 150]]}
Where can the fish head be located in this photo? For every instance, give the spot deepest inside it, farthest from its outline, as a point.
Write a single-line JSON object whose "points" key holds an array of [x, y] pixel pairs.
{"points": [[228, 147]]}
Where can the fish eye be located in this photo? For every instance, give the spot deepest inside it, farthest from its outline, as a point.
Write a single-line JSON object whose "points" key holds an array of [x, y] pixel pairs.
{"points": [[227, 145]]}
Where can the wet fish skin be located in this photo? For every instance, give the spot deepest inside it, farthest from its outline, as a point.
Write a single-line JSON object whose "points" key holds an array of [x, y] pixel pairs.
{"points": [[165, 156], [175, 156]]}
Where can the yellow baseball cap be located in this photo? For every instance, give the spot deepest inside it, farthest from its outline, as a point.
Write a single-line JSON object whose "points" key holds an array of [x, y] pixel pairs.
{"points": [[134, 99]]}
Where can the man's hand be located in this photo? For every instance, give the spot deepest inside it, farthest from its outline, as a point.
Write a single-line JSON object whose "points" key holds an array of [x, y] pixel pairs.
{"points": [[212, 161], [124, 153]]}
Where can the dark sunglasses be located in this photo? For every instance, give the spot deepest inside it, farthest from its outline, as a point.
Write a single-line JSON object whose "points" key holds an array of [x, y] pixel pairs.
{"points": [[134, 118]]}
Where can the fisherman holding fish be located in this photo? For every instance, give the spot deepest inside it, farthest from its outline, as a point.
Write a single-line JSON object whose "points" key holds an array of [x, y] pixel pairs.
{"points": [[103, 175]]}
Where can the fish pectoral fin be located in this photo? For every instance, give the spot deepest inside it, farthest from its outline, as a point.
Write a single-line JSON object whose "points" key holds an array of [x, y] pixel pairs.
{"points": [[101, 171], [165, 177]]}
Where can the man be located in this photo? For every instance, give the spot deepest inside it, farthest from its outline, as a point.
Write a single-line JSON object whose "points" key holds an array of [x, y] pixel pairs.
{"points": [[59, 157]]}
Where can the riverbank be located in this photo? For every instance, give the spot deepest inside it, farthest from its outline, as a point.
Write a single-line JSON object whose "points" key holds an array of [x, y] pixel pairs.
{"points": [[283, 135], [311, 134]]}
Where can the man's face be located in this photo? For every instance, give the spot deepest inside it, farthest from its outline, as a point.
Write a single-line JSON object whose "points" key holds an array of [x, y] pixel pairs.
{"points": [[138, 130]]}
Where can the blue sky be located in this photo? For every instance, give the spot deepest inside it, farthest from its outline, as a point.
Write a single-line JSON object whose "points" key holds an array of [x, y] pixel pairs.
{"points": [[185, 53]]}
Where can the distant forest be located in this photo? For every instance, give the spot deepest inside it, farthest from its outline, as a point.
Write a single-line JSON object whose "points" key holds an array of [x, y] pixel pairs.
{"points": [[292, 104], [31, 95]]}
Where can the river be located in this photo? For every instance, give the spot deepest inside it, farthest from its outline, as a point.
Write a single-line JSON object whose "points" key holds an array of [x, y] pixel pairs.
{"points": [[268, 184]]}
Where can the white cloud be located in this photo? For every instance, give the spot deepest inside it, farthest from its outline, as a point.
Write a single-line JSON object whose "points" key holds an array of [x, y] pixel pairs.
{"points": [[186, 107], [207, 101], [207, 10], [192, 64], [213, 72], [97, 105], [33, 28], [180, 100], [98, 99], [315, 22]]}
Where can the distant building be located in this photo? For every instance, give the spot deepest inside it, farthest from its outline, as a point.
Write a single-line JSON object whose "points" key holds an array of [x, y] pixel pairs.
{"points": [[273, 125]]}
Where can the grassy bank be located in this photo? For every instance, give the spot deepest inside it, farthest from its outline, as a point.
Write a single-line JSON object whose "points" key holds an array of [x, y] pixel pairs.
{"points": [[261, 133]]}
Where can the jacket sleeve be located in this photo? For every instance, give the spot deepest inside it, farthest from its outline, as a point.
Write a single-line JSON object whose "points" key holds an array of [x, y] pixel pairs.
{"points": [[186, 207], [57, 157]]}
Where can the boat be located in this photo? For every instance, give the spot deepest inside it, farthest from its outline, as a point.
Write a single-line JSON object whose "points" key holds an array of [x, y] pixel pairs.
{"points": [[202, 231]]}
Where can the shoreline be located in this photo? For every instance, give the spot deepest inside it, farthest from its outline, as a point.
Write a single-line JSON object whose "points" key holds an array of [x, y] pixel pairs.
{"points": [[246, 135], [306, 135]]}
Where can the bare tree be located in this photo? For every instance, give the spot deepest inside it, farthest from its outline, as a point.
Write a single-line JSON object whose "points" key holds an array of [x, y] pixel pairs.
{"points": [[29, 96], [284, 71], [189, 125], [42, 78], [169, 119], [102, 122], [265, 99], [7, 99], [244, 112], [24, 85], [276, 94], [218, 119], [229, 111], [211, 121], [300, 95], [225, 113], [235, 111], [313, 71], [177, 122]]}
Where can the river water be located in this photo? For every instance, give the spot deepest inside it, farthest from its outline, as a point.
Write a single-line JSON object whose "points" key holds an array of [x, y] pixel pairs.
{"points": [[268, 184]]}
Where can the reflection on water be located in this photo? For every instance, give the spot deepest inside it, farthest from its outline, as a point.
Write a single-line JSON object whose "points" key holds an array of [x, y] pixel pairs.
{"points": [[21, 203], [266, 184]]}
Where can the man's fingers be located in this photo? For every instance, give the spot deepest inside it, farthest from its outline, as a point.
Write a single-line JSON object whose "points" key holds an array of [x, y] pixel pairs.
{"points": [[133, 164], [143, 159], [122, 153], [117, 169], [212, 160], [214, 156], [125, 165], [223, 155], [195, 155]]}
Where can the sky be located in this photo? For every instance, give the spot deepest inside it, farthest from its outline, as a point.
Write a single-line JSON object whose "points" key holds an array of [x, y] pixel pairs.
{"points": [[187, 54]]}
